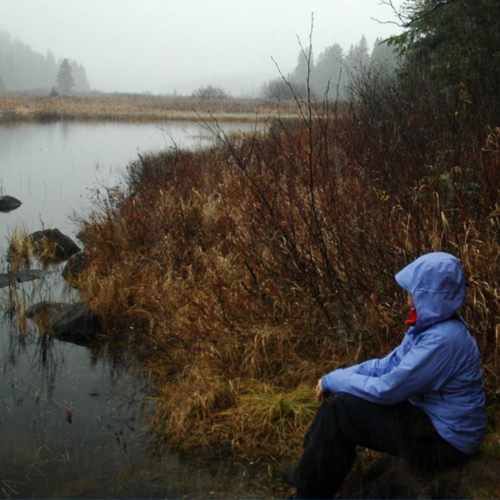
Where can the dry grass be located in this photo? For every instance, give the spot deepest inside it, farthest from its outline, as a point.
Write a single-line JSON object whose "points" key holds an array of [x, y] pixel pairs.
{"points": [[21, 250], [254, 267], [131, 107]]}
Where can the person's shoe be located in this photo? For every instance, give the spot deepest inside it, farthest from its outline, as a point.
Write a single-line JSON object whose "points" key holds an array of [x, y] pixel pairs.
{"points": [[299, 496], [287, 476]]}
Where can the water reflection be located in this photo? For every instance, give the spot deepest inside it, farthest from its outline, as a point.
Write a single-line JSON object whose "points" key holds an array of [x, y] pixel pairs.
{"points": [[65, 410]]}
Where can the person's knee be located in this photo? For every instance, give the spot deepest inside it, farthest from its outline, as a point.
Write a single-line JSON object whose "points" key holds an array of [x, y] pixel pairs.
{"points": [[344, 400], [342, 405]]}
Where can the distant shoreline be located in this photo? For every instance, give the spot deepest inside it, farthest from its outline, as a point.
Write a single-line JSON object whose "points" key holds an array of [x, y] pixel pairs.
{"points": [[136, 108]]}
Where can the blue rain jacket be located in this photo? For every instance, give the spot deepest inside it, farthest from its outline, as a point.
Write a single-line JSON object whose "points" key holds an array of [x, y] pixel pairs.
{"points": [[437, 366]]}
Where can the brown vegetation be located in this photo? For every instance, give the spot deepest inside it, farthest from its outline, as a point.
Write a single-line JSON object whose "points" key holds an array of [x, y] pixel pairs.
{"points": [[254, 267], [131, 107]]}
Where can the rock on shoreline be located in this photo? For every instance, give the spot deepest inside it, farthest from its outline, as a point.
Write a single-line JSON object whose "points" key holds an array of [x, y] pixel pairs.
{"points": [[63, 246]]}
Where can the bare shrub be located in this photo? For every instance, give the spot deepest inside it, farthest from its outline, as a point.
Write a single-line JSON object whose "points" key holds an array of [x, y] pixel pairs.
{"points": [[210, 92]]}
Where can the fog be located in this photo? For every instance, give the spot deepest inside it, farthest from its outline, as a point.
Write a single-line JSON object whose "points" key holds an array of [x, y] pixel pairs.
{"points": [[174, 46]]}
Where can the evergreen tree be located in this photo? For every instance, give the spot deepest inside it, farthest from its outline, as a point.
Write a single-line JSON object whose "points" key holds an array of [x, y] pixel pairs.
{"points": [[301, 70], [50, 70], [384, 56], [80, 77], [3, 88], [455, 45], [357, 58], [301, 73], [328, 72], [64, 78]]}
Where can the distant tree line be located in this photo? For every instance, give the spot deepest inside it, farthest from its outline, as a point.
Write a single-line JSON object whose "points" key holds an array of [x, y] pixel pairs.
{"points": [[24, 70], [330, 75]]}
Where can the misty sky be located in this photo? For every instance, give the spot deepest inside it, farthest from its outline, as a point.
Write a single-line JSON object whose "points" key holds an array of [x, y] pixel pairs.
{"points": [[162, 46]]}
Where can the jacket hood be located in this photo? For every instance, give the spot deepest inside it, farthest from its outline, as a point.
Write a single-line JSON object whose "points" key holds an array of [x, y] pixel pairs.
{"points": [[437, 284]]}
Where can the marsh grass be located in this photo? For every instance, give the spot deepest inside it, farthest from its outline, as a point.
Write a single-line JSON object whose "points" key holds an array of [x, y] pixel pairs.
{"points": [[132, 107], [255, 266], [20, 250], [16, 299]]}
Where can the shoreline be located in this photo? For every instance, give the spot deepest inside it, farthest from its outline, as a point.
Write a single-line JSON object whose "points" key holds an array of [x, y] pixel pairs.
{"points": [[136, 108]]}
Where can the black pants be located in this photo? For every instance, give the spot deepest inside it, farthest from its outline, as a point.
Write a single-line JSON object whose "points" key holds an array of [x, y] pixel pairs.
{"points": [[346, 421]]}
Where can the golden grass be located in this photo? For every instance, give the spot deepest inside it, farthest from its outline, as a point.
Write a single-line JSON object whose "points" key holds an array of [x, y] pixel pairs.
{"points": [[202, 407], [20, 250], [132, 107]]}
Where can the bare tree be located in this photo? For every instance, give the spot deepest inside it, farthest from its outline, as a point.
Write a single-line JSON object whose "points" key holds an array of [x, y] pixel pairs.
{"points": [[210, 92]]}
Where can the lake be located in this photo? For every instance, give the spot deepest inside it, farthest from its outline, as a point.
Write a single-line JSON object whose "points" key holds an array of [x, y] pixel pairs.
{"points": [[53, 167], [73, 419]]}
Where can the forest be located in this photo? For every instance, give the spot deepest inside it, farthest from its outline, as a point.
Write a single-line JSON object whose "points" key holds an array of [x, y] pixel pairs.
{"points": [[333, 72], [22, 69]]}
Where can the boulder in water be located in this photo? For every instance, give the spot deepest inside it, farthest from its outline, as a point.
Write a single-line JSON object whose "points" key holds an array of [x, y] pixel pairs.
{"points": [[75, 323], [53, 246], [74, 268], [9, 203]]}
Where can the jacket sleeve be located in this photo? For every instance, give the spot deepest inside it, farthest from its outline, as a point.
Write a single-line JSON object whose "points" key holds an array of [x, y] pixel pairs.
{"points": [[424, 366], [377, 367]]}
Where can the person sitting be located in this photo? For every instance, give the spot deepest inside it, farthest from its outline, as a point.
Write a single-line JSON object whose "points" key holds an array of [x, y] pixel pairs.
{"points": [[423, 402]]}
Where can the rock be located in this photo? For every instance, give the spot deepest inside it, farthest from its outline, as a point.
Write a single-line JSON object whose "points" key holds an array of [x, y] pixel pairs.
{"points": [[75, 323], [9, 203], [51, 245], [390, 478], [13, 277], [73, 269]]}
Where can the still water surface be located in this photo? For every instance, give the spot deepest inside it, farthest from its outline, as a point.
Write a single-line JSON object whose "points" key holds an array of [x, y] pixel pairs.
{"points": [[52, 168], [73, 420]]}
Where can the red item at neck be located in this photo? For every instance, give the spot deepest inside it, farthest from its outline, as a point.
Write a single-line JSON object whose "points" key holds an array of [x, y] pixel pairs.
{"points": [[412, 317]]}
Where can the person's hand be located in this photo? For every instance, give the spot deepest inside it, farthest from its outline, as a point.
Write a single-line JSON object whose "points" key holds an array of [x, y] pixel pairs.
{"points": [[322, 395]]}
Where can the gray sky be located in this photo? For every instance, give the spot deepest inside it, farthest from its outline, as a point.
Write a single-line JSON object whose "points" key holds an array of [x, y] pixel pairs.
{"points": [[166, 45]]}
